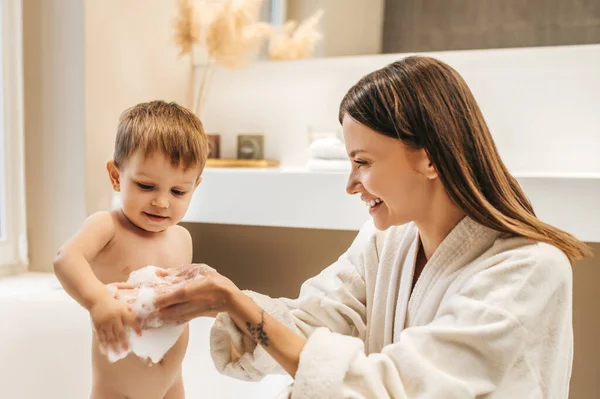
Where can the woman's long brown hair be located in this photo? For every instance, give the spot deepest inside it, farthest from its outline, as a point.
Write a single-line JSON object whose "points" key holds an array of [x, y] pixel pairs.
{"points": [[427, 105]]}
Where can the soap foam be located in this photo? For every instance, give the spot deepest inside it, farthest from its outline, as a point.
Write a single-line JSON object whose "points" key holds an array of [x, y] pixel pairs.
{"points": [[157, 336]]}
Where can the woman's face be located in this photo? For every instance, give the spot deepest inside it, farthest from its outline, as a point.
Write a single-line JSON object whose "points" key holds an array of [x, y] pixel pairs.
{"points": [[394, 180]]}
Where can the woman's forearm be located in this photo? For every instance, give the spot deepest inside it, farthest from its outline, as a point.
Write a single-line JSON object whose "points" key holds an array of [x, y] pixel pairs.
{"points": [[283, 344]]}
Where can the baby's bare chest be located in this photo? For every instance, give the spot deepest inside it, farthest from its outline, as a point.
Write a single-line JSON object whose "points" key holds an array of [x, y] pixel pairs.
{"points": [[127, 253]]}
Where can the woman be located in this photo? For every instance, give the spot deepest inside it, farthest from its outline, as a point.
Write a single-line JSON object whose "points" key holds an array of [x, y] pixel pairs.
{"points": [[454, 290]]}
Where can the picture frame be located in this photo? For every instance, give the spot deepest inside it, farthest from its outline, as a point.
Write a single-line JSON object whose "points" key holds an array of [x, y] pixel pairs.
{"points": [[250, 146]]}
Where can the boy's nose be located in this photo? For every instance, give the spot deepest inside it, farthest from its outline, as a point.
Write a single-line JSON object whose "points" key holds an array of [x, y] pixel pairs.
{"points": [[160, 203]]}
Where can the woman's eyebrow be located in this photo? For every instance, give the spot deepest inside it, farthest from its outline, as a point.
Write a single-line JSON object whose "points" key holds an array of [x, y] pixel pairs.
{"points": [[354, 152]]}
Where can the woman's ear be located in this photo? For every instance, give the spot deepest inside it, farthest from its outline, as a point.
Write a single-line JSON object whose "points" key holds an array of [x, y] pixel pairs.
{"points": [[114, 176], [430, 171], [423, 165]]}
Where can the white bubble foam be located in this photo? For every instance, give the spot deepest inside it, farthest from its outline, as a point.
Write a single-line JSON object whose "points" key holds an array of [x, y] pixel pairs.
{"points": [[157, 337]]}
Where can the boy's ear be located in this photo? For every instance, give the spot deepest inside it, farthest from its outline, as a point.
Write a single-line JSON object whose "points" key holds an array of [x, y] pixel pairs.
{"points": [[113, 174]]}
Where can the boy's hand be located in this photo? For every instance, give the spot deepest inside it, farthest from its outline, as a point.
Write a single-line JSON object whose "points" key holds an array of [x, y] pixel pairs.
{"points": [[110, 316]]}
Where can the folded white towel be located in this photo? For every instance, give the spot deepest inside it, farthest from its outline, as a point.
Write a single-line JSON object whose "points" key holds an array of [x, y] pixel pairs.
{"points": [[327, 148]]}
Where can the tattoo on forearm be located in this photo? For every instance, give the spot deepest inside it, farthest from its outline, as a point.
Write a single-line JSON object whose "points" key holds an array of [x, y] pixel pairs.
{"points": [[258, 333]]}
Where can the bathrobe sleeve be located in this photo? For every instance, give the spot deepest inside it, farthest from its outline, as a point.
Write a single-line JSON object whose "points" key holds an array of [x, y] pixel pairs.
{"points": [[334, 300]]}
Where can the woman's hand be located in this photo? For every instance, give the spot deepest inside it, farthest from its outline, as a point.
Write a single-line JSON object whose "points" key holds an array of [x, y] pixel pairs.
{"points": [[214, 293], [206, 296]]}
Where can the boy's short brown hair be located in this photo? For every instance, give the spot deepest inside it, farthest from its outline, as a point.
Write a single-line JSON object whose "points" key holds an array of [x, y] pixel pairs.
{"points": [[165, 127]]}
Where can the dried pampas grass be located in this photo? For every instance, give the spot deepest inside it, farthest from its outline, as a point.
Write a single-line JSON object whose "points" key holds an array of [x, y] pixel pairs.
{"points": [[296, 42], [231, 33], [234, 33], [187, 27], [187, 34]]}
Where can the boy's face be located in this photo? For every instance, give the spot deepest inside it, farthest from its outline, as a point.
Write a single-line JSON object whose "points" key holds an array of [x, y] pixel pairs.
{"points": [[154, 193]]}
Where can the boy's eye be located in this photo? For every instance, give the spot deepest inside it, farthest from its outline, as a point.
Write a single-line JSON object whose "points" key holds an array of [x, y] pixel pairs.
{"points": [[145, 186], [359, 162], [177, 192]]}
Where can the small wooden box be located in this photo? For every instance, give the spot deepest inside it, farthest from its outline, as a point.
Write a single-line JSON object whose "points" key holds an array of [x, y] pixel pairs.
{"points": [[214, 146]]}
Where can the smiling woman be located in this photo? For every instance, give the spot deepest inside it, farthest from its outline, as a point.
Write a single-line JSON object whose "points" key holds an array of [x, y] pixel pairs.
{"points": [[13, 242]]}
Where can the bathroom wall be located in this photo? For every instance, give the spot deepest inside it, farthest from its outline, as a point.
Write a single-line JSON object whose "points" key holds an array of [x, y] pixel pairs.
{"points": [[586, 323], [130, 57], [268, 259], [540, 103], [348, 27], [55, 156], [433, 25]]}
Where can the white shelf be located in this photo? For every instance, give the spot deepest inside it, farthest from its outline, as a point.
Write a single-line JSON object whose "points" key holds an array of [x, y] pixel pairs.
{"points": [[276, 197], [305, 199]]}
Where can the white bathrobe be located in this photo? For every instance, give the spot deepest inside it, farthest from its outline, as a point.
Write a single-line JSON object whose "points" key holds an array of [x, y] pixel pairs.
{"points": [[489, 317]]}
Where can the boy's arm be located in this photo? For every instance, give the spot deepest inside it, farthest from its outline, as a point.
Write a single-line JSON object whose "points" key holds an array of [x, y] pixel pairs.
{"points": [[187, 246], [72, 263]]}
